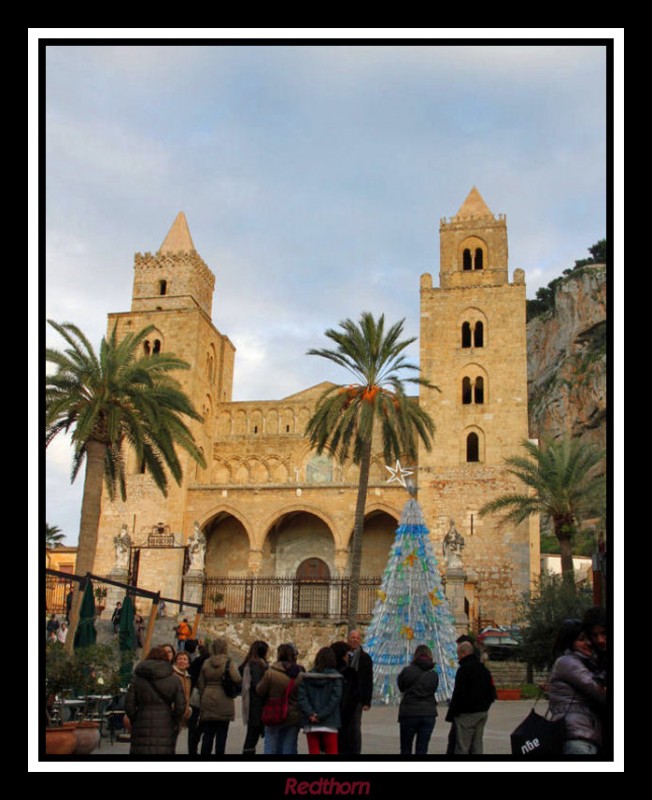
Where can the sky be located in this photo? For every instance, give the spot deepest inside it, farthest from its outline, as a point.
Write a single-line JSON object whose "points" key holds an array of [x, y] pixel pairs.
{"points": [[313, 179]]}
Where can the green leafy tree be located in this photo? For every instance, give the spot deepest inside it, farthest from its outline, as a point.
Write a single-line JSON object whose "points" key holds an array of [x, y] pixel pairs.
{"points": [[542, 613], [53, 535], [112, 400], [561, 484], [345, 417]]}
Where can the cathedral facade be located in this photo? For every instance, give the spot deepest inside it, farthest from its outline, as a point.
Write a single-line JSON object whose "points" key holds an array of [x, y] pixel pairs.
{"points": [[270, 507]]}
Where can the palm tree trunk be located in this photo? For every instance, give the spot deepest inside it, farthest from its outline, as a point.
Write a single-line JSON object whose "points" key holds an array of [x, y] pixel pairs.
{"points": [[566, 550], [91, 507], [356, 539]]}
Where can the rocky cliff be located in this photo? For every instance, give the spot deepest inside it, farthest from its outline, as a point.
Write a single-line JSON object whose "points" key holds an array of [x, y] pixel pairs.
{"points": [[567, 360]]}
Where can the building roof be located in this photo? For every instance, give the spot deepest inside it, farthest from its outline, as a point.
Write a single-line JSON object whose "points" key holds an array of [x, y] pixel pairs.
{"points": [[473, 206], [178, 239]]}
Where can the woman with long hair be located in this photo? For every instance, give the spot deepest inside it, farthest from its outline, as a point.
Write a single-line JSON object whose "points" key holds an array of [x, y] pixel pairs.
{"points": [[252, 670], [575, 693], [281, 738]]}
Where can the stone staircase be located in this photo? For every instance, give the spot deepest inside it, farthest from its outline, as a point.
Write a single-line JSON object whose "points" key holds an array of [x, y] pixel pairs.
{"points": [[163, 631]]}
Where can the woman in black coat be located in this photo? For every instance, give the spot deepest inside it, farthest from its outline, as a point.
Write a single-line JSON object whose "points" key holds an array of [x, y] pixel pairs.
{"points": [[417, 712], [155, 705], [252, 670], [350, 698]]}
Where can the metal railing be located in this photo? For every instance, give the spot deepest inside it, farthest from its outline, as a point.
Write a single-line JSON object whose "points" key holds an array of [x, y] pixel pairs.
{"points": [[287, 598]]}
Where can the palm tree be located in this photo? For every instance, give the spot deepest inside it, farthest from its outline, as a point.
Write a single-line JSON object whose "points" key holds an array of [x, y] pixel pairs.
{"points": [[53, 535], [345, 416], [562, 487], [111, 400]]}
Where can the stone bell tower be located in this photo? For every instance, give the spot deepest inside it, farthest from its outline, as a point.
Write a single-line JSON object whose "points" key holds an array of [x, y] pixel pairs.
{"points": [[173, 292], [473, 347]]}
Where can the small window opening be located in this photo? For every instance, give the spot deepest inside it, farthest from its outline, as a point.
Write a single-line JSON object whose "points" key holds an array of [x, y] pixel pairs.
{"points": [[466, 391], [466, 259], [478, 391], [472, 447], [157, 345], [478, 258], [478, 335], [287, 428], [162, 287], [147, 347], [466, 335]]}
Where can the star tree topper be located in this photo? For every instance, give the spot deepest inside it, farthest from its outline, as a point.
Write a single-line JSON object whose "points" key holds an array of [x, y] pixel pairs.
{"points": [[399, 474]]}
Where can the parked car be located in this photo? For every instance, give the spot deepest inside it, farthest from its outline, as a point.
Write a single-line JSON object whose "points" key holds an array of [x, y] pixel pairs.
{"points": [[500, 644]]}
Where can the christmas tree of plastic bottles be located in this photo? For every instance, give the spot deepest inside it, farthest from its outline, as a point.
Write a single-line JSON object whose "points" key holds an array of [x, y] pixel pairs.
{"points": [[411, 609]]}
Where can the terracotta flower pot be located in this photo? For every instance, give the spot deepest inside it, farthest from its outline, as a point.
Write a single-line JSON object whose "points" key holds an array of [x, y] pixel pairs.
{"points": [[60, 741], [87, 735], [508, 694]]}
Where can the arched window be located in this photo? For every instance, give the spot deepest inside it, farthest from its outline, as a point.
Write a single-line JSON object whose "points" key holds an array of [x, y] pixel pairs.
{"points": [[478, 391], [472, 447], [478, 258], [466, 334], [478, 335], [162, 287], [147, 347], [466, 259], [467, 395], [157, 346]]}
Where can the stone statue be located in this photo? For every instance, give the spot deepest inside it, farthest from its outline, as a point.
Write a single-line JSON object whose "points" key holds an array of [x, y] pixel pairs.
{"points": [[197, 550], [122, 544], [452, 547]]}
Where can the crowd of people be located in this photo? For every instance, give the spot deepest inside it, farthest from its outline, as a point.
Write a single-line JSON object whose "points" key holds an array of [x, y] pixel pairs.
{"points": [[196, 687]]}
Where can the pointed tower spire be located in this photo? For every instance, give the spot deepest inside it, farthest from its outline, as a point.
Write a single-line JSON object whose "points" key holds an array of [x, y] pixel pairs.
{"points": [[473, 206], [178, 239]]}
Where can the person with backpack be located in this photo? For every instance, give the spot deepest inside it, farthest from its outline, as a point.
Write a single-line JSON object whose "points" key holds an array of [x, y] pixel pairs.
{"points": [[280, 714], [217, 685]]}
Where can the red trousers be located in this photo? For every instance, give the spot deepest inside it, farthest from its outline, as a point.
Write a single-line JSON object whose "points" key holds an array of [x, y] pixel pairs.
{"points": [[326, 738]]}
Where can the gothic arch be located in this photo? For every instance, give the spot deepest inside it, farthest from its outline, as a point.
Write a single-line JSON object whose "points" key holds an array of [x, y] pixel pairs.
{"points": [[228, 543], [218, 513], [225, 423], [472, 254], [474, 385], [301, 508], [256, 424], [473, 327], [154, 343], [473, 445], [221, 471], [272, 421]]}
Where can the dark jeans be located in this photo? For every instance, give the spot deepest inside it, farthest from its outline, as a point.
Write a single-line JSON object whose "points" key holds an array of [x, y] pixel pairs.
{"points": [[217, 731], [254, 732], [194, 732], [419, 727]]}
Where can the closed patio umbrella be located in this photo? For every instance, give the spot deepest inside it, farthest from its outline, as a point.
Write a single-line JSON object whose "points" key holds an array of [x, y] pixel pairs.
{"points": [[86, 634], [127, 639]]}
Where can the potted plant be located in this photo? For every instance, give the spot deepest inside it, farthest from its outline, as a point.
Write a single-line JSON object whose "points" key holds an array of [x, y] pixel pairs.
{"points": [[509, 693], [100, 593], [86, 674], [59, 740], [220, 608]]}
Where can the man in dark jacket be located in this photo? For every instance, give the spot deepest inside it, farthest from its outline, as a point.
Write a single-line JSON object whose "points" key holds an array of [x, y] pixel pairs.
{"points": [[361, 662], [469, 706]]}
